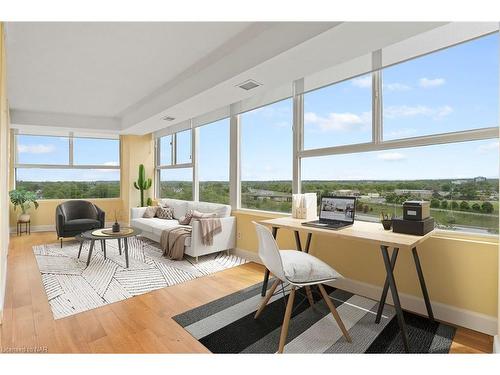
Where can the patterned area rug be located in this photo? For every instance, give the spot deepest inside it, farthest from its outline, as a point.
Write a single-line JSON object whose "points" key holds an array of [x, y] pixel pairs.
{"points": [[227, 325], [72, 287]]}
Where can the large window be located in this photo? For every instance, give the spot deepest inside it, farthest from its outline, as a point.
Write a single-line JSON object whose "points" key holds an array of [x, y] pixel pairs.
{"points": [[339, 114], [68, 167], [266, 157], [426, 101], [459, 179], [451, 90], [213, 162], [174, 166]]}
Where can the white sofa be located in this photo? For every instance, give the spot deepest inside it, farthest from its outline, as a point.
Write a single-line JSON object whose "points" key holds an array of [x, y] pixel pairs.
{"points": [[152, 228]]}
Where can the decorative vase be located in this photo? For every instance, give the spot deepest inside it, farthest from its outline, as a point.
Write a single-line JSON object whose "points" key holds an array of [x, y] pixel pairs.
{"points": [[116, 227], [387, 224], [24, 218]]}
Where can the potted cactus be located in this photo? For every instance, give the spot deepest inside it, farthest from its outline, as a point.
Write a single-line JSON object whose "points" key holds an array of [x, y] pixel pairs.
{"points": [[142, 183]]}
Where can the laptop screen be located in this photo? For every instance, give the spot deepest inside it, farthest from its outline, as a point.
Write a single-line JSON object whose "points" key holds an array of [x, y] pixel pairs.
{"points": [[338, 208]]}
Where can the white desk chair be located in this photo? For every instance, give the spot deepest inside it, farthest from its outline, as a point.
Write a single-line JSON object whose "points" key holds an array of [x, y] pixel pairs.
{"points": [[298, 269]]}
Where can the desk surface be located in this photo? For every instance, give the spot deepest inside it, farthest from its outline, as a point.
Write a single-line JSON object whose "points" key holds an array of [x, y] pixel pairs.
{"points": [[361, 230]]}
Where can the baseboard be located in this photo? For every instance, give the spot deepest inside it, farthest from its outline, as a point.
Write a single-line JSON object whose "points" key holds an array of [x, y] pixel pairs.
{"points": [[496, 344], [52, 227], [446, 313]]}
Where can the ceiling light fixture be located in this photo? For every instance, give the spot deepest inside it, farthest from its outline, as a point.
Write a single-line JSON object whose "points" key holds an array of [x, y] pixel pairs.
{"points": [[168, 118]]}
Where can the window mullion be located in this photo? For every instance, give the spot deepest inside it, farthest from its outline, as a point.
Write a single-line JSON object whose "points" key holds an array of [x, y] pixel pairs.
{"points": [[70, 149]]}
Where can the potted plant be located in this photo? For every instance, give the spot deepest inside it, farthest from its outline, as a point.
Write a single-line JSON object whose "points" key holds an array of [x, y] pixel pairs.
{"points": [[142, 183], [386, 221], [23, 199]]}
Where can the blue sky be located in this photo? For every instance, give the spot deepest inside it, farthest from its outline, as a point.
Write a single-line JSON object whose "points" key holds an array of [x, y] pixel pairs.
{"points": [[450, 90]]}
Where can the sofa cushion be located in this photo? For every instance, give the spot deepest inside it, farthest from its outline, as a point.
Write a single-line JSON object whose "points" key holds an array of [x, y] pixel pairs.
{"points": [[222, 210], [81, 225], [180, 207], [150, 212], [166, 213]]}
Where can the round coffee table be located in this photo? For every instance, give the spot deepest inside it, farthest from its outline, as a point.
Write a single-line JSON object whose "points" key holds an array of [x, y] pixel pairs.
{"points": [[124, 234]]}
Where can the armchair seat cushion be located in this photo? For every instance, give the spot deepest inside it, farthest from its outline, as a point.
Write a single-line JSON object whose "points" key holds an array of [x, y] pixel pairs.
{"points": [[82, 225], [303, 268]]}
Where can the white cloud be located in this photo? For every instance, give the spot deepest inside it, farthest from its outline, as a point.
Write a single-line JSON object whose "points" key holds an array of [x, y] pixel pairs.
{"points": [[431, 82], [418, 110], [396, 86], [391, 156], [489, 147], [363, 82], [338, 121], [35, 149], [402, 133]]}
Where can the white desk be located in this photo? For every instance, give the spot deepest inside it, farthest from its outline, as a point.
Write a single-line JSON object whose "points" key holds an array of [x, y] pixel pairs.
{"points": [[367, 232]]}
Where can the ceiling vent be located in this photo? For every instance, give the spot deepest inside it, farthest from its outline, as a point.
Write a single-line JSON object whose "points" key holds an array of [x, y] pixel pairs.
{"points": [[249, 85], [168, 118]]}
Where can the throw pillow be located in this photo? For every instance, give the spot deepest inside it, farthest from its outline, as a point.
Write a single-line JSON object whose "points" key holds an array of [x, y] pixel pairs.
{"points": [[165, 213], [186, 219], [150, 212]]}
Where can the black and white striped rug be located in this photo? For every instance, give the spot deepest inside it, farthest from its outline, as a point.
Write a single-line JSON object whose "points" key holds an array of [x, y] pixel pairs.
{"points": [[72, 287], [227, 325]]}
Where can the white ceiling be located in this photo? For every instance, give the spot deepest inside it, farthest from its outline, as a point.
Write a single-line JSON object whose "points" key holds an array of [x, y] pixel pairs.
{"points": [[124, 77], [100, 69]]}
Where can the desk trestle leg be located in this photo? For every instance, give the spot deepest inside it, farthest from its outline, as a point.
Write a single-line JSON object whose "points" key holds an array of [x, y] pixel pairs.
{"points": [[395, 298], [422, 284], [383, 297]]}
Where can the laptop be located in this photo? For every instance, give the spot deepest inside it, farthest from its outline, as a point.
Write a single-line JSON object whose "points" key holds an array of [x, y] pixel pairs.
{"points": [[335, 213]]}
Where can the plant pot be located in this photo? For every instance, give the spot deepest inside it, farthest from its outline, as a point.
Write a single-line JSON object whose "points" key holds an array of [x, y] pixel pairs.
{"points": [[116, 227], [387, 224], [24, 218]]}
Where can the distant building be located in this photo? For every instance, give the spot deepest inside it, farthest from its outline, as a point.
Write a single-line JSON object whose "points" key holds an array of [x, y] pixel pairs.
{"points": [[415, 192], [347, 192], [458, 182], [479, 179]]}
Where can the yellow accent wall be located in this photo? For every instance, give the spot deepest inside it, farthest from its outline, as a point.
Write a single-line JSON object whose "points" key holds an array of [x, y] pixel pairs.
{"points": [[134, 151], [459, 272]]}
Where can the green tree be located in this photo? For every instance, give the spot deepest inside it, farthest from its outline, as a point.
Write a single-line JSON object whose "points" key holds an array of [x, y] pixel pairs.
{"points": [[464, 206], [454, 205], [476, 207], [435, 203], [487, 207], [444, 204]]}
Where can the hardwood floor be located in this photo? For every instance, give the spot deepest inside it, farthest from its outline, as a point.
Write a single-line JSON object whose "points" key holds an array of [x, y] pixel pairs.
{"points": [[140, 324]]}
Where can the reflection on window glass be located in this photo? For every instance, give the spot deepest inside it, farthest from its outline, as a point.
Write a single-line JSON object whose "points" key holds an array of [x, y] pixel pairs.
{"points": [[92, 151], [69, 183], [37, 149], [339, 114], [266, 157], [460, 180], [166, 150], [183, 145], [451, 90], [176, 183], [213, 160]]}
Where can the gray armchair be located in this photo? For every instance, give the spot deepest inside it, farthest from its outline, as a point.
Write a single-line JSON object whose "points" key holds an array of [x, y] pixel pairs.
{"points": [[77, 216]]}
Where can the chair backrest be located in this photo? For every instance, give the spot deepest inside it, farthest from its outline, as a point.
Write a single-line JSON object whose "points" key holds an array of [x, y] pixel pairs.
{"points": [[78, 209], [269, 252]]}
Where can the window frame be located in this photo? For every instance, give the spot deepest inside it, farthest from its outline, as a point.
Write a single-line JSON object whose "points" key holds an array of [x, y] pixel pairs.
{"points": [[174, 165], [69, 165]]}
